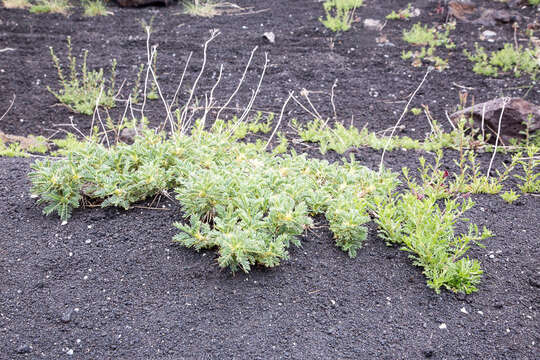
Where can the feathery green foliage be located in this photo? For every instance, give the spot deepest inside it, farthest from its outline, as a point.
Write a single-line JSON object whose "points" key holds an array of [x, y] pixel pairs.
{"points": [[425, 229]]}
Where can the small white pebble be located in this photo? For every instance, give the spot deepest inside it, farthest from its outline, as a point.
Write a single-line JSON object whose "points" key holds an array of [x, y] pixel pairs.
{"points": [[442, 326], [463, 310]]}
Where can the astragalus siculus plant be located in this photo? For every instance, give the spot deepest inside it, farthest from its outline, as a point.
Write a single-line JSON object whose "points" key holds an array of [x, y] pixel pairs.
{"points": [[248, 202]]}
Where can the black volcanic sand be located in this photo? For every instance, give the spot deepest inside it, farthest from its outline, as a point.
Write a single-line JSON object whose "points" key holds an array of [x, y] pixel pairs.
{"points": [[110, 284]]}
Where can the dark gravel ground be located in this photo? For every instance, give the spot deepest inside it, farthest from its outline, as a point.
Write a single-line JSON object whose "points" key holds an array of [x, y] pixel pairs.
{"points": [[110, 284]]}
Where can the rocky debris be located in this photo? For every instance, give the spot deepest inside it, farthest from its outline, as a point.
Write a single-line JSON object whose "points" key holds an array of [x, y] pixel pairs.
{"points": [[488, 35], [138, 3], [467, 11], [270, 37], [66, 316], [372, 24], [516, 113], [127, 135], [460, 9], [490, 17], [24, 349]]}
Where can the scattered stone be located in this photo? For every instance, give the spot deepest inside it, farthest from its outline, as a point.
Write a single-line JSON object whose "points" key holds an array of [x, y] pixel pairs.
{"points": [[87, 241], [488, 35], [372, 24], [443, 326], [466, 11], [127, 135], [428, 352], [66, 316], [69, 352], [516, 113], [460, 9], [138, 3], [24, 349], [463, 310], [270, 37]]}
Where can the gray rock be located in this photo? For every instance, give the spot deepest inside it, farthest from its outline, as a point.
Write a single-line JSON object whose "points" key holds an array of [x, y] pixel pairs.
{"points": [[24, 349], [270, 36], [372, 24], [66, 316]]}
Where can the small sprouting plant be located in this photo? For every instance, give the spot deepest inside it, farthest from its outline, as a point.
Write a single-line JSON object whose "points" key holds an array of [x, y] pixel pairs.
{"points": [[82, 92], [340, 138], [16, 4], [203, 8], [509, 59], [429, 39], [416, 111], [339, 14], [534, 2], [50, 6], [509, 196], [403, 14], [425, 229], [137, 86], [153, 94], [22, 146], [94, 8], [531, 176], [422, 35]]}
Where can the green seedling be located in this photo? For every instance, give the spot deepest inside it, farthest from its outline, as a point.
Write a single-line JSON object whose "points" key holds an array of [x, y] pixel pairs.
{"points": [[403, 14], [50, 6], [94, 8], [416, 111], [82, 92], [339, 14], [509, 196], [531, 176], [429, 39]]}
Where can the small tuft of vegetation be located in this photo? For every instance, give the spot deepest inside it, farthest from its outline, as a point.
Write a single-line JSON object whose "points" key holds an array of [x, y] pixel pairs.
{"points": [[50, 6], [94, 8], [339, 14], [430, 39], [403, 14], [509, 196], [202, 8], [509, 59], [340, 138], [425, 229], [82, 93]]}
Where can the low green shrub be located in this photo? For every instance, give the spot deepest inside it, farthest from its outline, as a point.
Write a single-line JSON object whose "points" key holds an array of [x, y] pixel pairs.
{"points": [[245, 201], [425, 229]]}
